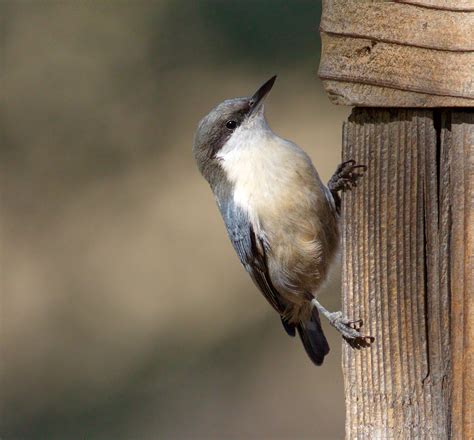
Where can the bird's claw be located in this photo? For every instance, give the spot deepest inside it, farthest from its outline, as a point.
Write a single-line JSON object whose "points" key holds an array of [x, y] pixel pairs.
{"points": [[346, 176], [350, 331], [356, 325]]}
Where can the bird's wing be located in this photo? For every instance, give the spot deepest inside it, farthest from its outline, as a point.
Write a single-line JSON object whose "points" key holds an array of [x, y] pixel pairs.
{"points": [[251, 250]]}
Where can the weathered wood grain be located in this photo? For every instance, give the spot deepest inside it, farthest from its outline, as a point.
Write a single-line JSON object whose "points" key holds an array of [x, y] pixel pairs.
{"points": [[397, 66], [451, 5], [407, 263], [368, 95], [462, 270], [395, 54], [398, 23]]}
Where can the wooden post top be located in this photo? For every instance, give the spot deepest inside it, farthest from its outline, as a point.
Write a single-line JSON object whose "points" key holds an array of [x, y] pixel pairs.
{"points": [[404, 53]]}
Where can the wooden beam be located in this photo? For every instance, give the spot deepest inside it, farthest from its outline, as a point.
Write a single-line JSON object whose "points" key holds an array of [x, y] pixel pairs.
{"points": [[408, 234], [400, 24], [449, 5], [408, 268], [461, 157], [396, 54], [395, 66], [368, 95]]}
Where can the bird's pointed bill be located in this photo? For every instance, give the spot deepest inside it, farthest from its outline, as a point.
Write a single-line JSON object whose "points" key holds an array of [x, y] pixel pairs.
{"points": [[260, 94]]}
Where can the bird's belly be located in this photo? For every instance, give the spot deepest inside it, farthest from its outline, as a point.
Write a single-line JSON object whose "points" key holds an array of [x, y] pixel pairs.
{"points": [[302, 242], [296, 261]]}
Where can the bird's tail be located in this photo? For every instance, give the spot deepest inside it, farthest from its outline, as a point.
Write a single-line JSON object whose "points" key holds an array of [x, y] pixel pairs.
{"points": [[313, 339]]}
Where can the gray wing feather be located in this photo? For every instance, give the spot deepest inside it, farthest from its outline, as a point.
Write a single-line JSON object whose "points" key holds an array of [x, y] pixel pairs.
{"points": [[251, 250]]}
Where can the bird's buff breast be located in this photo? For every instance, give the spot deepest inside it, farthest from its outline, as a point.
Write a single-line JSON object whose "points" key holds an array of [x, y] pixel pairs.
{"points": [[277, 186]]}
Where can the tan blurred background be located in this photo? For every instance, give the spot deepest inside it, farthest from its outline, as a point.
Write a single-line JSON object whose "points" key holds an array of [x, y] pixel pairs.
{"points": [[125, 313]]}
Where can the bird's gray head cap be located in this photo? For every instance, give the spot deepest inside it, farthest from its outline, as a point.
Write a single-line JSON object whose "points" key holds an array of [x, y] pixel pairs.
{"points": [[217, 127]]}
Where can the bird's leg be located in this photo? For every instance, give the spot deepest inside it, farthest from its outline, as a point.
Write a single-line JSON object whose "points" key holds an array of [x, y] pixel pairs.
{"points": [[345, 177], [350, 330]]}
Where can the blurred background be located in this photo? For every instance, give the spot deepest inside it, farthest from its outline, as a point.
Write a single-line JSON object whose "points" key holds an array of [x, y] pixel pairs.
{"points": [[125, 313]]}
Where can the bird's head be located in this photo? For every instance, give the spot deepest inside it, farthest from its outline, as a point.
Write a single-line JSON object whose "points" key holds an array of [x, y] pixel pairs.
{"points": [[232, 118]]}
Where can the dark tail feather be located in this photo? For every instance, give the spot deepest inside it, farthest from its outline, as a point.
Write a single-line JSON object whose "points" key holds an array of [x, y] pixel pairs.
{"points": [[313, 339], [289, 328]]}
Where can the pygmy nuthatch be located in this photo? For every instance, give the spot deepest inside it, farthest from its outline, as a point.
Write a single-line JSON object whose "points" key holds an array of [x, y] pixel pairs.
{"points": [[281, 219]]}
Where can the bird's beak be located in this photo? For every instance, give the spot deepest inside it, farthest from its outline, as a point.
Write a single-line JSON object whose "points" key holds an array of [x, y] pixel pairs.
{"points": [[257, 99]]}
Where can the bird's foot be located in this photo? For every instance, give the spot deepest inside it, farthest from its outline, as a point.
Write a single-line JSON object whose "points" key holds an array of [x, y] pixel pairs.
{"points": [[346, 175], [350, 330]]}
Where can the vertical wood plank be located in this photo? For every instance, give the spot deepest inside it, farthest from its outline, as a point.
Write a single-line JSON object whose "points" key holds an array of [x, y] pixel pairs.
{"points": [[408, 263], [462, 274]]}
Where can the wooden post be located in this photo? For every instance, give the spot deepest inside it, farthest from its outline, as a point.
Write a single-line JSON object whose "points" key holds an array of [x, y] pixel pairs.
{"points": [[408, 228]]}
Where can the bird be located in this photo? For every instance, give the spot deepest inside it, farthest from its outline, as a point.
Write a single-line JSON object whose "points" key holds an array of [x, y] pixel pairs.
{"points": [[282, 220]]}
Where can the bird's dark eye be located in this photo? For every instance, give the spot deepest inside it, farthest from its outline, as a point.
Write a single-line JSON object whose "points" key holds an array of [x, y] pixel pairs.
{"points": [[231, 125]]}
